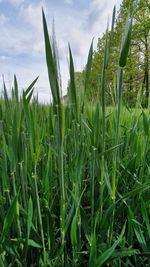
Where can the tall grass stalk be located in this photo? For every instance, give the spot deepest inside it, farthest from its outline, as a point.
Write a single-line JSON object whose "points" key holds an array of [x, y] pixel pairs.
{"points": [[122, 63], [39, 216], [103, 103], [52, 66]]}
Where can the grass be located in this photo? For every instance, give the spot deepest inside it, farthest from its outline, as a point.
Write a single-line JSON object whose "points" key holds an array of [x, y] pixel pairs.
{"points": [[74, 187]]}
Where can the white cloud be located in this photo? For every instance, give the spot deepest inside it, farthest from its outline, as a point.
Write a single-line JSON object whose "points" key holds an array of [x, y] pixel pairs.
{"points": [[21, 41], [16, 3], [25, 75], [3, 19], [33, 40], [77, 27], [26, 37], [32, 14], [4, 58], [69, 2], [98, 14]]}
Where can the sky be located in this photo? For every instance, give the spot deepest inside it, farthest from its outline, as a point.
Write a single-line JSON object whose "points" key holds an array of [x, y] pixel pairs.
{"points": [[22, 43]]}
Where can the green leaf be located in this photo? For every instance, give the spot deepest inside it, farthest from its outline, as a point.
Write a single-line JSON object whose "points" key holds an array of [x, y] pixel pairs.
{"points": [[32, 243], [125, 43], [113, 20], [145, 216], [8, 219], [29, 217], [16, 89], [92, 258], [6, 95], [51, 64], [72, 88], [145, 124], [108, 253], [125, 253], [85, 226], [88, 66], [74, 231], [138, 232], [29, 91], [139, 235], [30, 87], [69, 214]]}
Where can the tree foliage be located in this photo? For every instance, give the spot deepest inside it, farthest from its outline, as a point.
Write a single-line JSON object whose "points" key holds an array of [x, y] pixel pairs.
{"points": [[136, 74]]}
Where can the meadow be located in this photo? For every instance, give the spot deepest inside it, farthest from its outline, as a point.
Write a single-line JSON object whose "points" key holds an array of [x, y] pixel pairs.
{"points": [[74, 178]]}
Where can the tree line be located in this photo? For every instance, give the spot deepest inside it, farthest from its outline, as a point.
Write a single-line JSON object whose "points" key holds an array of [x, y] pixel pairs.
{"points": [[136, 75]]}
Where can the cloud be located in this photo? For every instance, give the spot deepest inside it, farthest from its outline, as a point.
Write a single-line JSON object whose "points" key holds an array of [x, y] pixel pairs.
{"points": [[98, 13], [24, 53], [69, 2], [26, 73], [26, 37], [3, 19], [32, 14], [4, 58], [21, 42], [16, 3]]}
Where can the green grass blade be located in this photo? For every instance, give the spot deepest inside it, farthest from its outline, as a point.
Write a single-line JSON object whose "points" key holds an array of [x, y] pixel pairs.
{"points": [[88, 67], [125, 44], [51, 64], [8, 220], [72, 87], [145, 216], [16, 93], [29, 91], [108, 253], [6, 95]]}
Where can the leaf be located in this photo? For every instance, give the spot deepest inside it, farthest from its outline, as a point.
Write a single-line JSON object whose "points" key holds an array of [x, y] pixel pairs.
{"points": [[16, 89], [145, 216], [125, 43], [32, 243], [139, 235], [6, 95], [8, 219], [29, 217], [138, 232], [113, 20], [85, 226], [88, 66], [108, 253], [92, 257], [145, 124], [27, 94], [51, 64], [69, 215], [30, 87], [125, 253], [74, 231], [72, 88]]}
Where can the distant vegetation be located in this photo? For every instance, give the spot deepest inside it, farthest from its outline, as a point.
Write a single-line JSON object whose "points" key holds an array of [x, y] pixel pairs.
{"points": [[75, 177], [136, 75]]}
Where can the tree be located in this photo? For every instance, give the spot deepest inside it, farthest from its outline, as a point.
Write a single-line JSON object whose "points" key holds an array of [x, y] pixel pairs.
{"points": [[137, 69]]}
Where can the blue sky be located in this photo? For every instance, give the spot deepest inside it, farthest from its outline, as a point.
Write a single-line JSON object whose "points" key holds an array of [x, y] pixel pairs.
{"points": [[21, 37]]}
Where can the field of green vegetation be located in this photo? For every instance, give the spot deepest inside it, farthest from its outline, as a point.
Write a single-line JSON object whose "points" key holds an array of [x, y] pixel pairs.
{"points": [[75, 178]]}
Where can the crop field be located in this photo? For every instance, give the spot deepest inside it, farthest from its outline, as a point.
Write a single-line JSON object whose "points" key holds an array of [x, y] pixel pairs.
{"points": [[74, 177]]}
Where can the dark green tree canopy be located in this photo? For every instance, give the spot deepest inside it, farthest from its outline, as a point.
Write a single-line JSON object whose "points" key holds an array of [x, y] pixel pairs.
{"points": [[136, 74]]}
